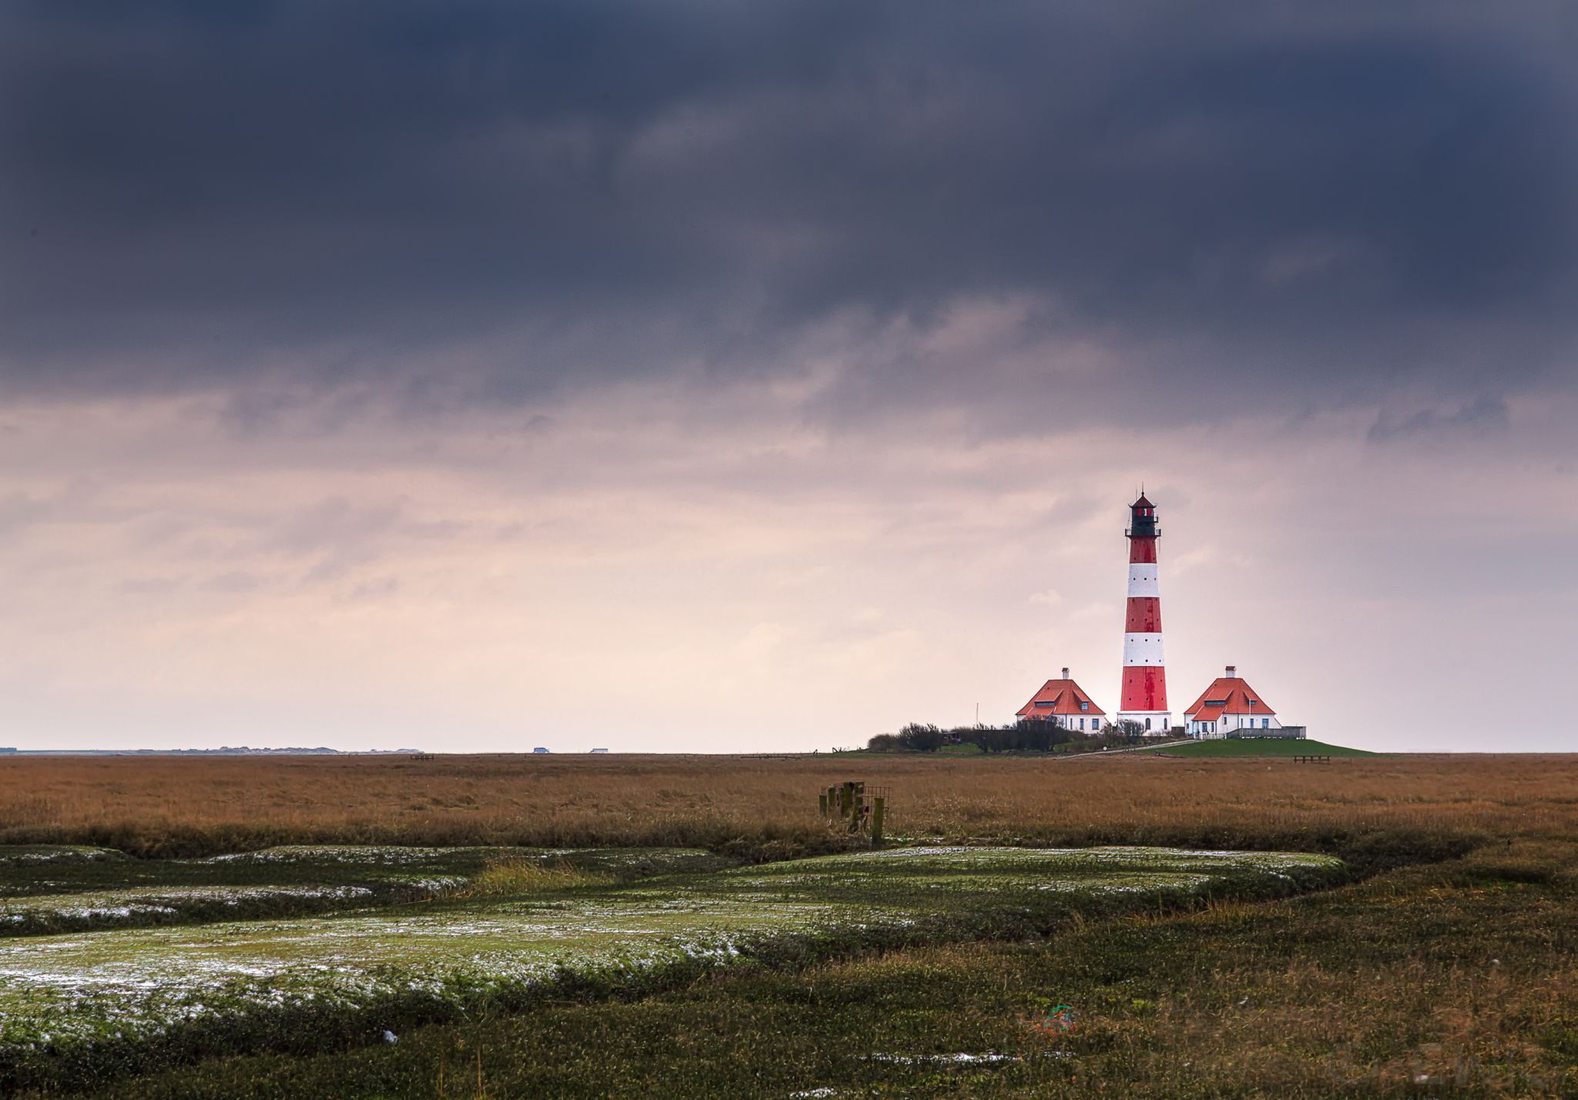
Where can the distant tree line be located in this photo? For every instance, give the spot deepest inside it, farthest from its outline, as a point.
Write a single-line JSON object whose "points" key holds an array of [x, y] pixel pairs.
{"points": [[1034, 735]]}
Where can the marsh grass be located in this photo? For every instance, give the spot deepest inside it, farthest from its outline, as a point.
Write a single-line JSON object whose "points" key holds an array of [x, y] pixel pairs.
{"points": [[1374, 811], [79, 1009], [49, 889], [1449, 970], [1427, 981], [517, 877]]}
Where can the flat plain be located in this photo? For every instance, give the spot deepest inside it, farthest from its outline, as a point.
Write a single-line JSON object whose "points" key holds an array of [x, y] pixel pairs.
{"points": [[730, 944], [205, 806]]}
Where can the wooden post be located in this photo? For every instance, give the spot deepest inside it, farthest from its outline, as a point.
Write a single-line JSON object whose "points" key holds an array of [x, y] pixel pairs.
{"points": [[879, 806], [821, 801]]}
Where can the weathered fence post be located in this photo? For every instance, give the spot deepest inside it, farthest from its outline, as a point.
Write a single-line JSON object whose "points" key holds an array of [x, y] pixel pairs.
{"points": [[860, 812]]}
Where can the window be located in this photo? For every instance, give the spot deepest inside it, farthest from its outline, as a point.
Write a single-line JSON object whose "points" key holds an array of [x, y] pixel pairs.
{"points": [[1265, 723], [1147, 723], [1084, 706]]}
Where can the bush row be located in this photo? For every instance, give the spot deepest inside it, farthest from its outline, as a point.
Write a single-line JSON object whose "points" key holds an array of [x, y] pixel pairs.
{"points": [[1039, 735]]}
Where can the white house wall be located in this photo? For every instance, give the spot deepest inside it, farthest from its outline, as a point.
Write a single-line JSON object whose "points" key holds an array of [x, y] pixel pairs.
{"points": [[1234, 723]]}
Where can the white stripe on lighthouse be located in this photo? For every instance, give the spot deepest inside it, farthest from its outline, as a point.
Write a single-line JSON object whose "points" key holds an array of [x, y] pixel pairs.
{"points": [[1142, 579], [1142, 649]]}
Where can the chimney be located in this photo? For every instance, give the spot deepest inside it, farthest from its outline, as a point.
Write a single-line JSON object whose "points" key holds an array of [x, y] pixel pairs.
{"points": [[1065, 674], [1232, 672]]}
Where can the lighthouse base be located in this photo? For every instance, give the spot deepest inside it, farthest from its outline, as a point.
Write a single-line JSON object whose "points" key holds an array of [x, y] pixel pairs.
{"points": [[1152, 723]]}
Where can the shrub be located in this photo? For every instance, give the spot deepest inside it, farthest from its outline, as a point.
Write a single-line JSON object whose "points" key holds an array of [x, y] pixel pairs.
{"points": [[918, 738]]}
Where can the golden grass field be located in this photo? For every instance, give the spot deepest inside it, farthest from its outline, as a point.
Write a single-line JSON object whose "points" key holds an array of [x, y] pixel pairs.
{"points": [[1448, 967], [158, 804]]}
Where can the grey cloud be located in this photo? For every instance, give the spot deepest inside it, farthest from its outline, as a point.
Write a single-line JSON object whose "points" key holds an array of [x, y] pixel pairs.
{"points": [[150, 586], [233, 582], [337, 537], [1484, 414], [382, 588], [333, 524], [18, 510], [486, 201], [79, 501]]}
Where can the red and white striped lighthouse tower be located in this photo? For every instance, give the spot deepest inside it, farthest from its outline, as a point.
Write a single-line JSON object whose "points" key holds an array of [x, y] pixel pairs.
{"points": [[1144, 672]]}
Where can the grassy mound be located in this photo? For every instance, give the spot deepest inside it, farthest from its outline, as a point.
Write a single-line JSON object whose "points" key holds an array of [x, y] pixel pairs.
{"points": [[1261, 746]]}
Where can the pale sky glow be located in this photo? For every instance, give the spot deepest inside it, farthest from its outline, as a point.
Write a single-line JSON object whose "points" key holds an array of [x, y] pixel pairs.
{"points": [[716, 377], [491, 580]]}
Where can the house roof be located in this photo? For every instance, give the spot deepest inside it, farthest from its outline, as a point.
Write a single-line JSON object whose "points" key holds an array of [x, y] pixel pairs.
{"points": [[1057, 698], [1228, 695]]}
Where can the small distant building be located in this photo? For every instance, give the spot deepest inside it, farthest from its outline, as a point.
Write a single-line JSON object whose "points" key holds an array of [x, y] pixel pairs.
{"points": [[1065, 701], [1231, 708], [599, 750], [540, 748]]}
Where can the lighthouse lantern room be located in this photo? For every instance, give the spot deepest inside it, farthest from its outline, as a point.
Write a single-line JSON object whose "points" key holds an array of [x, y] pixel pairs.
{"points": [[1144, 696]]}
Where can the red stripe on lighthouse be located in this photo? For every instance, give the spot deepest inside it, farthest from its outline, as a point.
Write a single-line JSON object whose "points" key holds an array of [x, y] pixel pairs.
{"points": [[1145, 688], [1145, 615]]}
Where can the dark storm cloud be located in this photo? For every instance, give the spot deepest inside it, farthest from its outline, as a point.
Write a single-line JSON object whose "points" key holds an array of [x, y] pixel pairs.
{"points": [[516, 197], [1483, 415]]}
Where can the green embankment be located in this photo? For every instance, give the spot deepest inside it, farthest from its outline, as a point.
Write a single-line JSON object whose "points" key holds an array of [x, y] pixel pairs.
{"points": [[1260, 746]]}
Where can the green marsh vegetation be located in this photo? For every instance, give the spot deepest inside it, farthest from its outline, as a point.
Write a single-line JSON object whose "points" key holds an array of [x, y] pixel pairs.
{"points": [[77, 1008], [1454, 978], [75, 888]]}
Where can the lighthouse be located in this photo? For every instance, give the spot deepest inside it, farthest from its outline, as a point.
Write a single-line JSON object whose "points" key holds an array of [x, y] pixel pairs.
{"points": [[1144, 700]]}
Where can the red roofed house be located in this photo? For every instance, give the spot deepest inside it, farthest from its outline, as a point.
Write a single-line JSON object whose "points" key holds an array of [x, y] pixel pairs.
{"points": [[1229, 706], [1066, 701]]}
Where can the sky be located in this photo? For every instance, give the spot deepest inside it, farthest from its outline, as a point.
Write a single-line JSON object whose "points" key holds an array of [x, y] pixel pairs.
{"points": [[695, 376]]}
